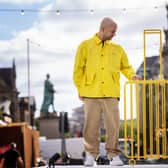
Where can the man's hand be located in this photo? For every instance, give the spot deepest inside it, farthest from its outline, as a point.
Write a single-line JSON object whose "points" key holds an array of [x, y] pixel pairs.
{"points": [[136, 77]]}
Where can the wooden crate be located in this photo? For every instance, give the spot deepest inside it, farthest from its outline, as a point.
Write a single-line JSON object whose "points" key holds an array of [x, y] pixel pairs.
{"points": [[26, 139]]}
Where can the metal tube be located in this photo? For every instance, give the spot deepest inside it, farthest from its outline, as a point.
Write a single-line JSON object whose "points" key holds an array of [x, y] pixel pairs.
{"points": [[151, 118], [125, 122], [157, 120], [144, 55], [138, 121], [28, 73], [144, 118], [131, 123]]}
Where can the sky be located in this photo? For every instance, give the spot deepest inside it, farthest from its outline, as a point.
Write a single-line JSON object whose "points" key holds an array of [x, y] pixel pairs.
{"points": [[55, 28]]}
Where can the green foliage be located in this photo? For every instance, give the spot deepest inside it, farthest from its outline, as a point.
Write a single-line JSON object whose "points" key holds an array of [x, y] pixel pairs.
{"points": [[128, 126], [1, 114], [68, 135], [103, 138], [121, 131], [37, 124]]}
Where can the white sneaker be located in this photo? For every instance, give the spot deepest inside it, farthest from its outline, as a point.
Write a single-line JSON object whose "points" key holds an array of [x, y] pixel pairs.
{"points": [[89, 160], [116, 161]]}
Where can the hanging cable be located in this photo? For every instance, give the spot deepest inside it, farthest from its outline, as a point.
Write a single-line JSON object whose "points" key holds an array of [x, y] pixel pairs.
{"points": [[91, 11]]}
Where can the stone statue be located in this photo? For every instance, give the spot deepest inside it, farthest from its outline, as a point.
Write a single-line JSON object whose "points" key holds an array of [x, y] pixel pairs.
{"points": [[48, 97]]}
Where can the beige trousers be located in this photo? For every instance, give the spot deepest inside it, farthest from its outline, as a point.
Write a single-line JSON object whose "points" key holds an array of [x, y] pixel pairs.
{"points": [[93, 107]]}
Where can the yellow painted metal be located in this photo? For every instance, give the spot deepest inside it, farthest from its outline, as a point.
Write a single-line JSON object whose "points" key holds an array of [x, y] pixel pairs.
{"points": [[138, 122], [145, 103], [153, 31]]}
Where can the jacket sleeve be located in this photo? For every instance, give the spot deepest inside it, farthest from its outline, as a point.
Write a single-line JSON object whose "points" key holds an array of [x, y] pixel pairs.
{"points": [[126, 68], [79, 66]]}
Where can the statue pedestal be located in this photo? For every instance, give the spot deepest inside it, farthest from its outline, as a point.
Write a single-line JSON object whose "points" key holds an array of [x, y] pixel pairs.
{"points": [[49, 126]]}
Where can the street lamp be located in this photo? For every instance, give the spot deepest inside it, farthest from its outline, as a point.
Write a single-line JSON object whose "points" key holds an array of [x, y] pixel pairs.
{"points": [[28, 73]]}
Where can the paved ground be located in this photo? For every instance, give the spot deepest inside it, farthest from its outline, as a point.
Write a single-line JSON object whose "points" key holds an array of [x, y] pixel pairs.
{"points": [[149, 163], [125, 166]]}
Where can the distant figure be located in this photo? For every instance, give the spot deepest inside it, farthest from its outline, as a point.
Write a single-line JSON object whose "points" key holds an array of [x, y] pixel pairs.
{"points": [[48, 97], [5, 106], [12, 158]]}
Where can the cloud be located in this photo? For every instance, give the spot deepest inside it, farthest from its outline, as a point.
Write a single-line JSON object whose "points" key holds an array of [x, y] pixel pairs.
{"points": [[22, 1], [54, 39]]}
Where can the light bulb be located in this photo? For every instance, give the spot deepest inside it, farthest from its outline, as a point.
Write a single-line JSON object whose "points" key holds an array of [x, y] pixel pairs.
{"points": [[156, 8], [91, 11], [124, 10], [22, 12], [58, 12]]}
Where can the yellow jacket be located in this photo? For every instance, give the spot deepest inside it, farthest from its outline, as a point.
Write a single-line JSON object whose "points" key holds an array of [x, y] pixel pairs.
{"points": [[97, 68]]}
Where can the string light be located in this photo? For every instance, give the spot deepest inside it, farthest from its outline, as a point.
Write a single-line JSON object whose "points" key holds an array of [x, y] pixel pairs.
{"points": [[124, 10], [156, 8], [91, 11], [22, 11], [58, 12]]}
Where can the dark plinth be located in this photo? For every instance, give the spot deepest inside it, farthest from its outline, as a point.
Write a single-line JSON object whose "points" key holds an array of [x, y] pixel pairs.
{"points": [[49, 126]]}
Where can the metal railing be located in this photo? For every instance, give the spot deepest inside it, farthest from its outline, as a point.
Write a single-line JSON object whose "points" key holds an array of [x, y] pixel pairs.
{"points": [[145, 114]]}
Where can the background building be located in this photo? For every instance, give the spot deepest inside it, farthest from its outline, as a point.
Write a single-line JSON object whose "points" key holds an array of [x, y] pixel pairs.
{"points": [[9, 91], [18, 106]]}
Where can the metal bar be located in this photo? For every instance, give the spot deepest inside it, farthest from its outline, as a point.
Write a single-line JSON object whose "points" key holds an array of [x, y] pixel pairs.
{"points": [[151, 118], [125, 121], [144, 118], [160, 49], [148, 81], [153, 31], [28, 73], [157, 121], [138, 121], [131, 123], [165, 100], [163, 122], [144, 38]]}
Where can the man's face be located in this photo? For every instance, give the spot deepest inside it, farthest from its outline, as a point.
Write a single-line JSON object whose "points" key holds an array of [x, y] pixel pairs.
{"points": [[109, 32]]}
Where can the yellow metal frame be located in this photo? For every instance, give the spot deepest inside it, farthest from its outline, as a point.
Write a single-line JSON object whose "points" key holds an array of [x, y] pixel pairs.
{"points": [[152, 31], [146, 96]]}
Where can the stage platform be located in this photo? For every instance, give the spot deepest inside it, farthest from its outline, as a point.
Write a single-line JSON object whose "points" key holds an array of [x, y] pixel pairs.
{"points": [[105, 166]]}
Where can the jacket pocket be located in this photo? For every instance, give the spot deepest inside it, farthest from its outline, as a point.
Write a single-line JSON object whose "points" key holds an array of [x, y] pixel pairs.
{"points": [[90, 76], [115, 77]]}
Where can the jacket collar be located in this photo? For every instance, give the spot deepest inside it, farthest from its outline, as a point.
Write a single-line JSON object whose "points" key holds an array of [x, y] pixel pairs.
{"points": [[98, 40]]}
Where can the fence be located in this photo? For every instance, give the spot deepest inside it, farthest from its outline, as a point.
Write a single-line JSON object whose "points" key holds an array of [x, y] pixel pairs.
{"points": [[145, 114]]}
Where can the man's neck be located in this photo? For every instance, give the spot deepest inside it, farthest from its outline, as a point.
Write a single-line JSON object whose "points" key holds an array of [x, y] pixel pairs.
{"points": [[99, 34]]}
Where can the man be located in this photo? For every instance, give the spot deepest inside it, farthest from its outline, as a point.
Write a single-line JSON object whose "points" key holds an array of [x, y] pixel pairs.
{"points": [[12, 158], [5, 106], [96, 75], [48, 96]]}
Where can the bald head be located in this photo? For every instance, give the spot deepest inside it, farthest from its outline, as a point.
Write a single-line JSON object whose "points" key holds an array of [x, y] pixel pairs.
{"points": [[107, 22], [107, 29]]}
